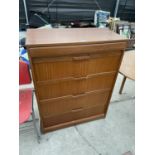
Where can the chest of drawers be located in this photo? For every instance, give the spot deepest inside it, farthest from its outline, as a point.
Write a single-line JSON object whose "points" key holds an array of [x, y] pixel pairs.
{"points": [[74, 72]]}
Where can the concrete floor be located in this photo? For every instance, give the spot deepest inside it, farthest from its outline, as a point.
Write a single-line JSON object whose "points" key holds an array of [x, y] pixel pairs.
{"points": [[111, 136]]}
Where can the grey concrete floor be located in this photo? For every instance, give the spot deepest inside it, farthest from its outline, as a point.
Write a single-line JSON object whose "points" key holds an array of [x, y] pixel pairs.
{"points": [[113, 135]]}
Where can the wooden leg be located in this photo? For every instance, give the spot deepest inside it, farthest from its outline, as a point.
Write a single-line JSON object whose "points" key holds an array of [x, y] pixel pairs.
{"points": [[122, 85]]}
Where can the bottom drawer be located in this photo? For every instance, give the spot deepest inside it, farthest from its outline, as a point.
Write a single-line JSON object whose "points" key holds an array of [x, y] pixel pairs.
{"points": [[72, 103], [74, 115]]}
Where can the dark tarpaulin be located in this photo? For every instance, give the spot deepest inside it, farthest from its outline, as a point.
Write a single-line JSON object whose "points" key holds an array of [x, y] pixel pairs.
{"points": [[75, 10]]}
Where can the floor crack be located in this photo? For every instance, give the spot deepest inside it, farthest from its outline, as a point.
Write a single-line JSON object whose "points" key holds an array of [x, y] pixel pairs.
{"points": [[87, 141]]}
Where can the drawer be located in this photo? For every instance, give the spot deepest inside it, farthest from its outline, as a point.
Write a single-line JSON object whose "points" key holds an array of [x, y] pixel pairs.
{"points": [[73, 116], [73, 103], [38, 52], [74, 86], [75, 66], [104, 63]]}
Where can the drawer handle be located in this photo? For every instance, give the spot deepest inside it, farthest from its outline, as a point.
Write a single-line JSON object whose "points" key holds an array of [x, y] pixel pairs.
{"points": [[80, 78], [81, 58], [77, 109]]}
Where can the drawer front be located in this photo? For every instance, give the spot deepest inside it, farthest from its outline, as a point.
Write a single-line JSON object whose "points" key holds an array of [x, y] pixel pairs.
{"points": [[74, 86], [73, 103], [104, 63], [75, 49], [76, 66], [73, 116]]}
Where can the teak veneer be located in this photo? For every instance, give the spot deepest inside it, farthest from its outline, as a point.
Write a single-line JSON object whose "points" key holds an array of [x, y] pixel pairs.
{"points": [[74, 72]]}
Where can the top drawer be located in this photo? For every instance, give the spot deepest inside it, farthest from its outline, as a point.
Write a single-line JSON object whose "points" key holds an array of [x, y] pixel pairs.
{"points": [[62, 50], [75, 66]]}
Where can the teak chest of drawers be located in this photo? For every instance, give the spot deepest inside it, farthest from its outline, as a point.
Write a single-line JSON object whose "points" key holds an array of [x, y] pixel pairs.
{"points": [[74, 72]]}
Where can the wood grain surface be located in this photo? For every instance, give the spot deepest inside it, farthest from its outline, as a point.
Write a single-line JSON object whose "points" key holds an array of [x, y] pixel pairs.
{"points": [[74, 72], [39, 37], [127, 67]]}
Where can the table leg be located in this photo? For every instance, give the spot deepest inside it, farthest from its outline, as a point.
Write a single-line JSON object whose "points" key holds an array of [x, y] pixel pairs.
{"points": [[122, 85]]}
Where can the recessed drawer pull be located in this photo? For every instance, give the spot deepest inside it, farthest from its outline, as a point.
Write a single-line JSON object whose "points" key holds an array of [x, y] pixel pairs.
{"points": [[77, 109], [78, 58], [79, 95], [80, 78]]}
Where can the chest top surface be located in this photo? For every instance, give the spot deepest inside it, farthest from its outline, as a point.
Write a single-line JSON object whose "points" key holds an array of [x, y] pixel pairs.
{"points": [[54, 36]]}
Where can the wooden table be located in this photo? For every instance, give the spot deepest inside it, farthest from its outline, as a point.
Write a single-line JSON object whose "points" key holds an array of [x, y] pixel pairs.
{"points": [[127, 68]]}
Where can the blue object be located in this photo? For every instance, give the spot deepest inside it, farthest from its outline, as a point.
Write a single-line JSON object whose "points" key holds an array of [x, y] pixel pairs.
{"points": [[23, 55]]}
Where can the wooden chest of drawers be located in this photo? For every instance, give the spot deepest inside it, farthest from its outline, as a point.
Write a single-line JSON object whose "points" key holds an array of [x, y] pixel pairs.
{"points": [[74, 72]]}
